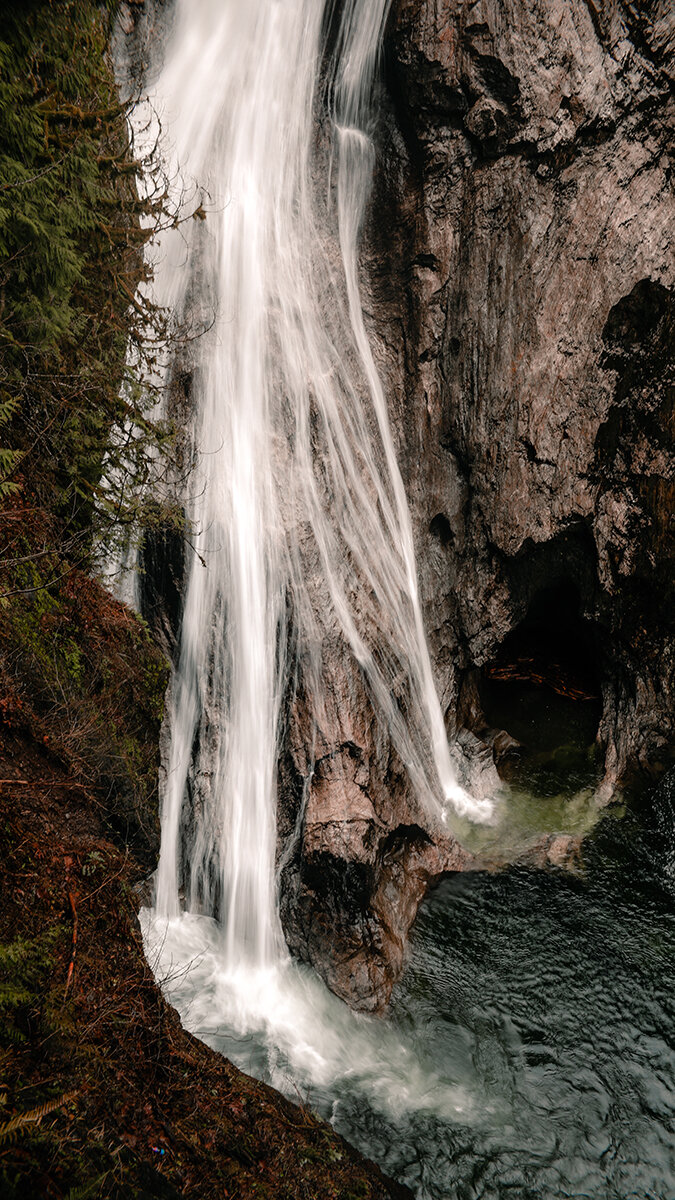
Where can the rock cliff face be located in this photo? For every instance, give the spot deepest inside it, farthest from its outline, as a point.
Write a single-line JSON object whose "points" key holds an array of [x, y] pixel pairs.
{"points": [[520, 287]]}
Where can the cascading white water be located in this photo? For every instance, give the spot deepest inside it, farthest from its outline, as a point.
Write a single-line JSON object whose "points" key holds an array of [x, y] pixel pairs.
{"points": [[294, 480], [291, 440], [299, 526]]}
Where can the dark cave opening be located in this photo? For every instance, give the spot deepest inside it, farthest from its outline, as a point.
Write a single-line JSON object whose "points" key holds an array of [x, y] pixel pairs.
{"points": [[553, 646], [543, 688]]}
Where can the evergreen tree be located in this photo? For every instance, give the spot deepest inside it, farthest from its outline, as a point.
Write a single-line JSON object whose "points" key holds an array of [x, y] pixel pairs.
{"points": [[73, 420]]}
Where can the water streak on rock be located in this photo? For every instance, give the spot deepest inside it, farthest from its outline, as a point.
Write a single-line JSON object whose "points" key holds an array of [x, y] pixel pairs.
{"points": [[300, 531]]}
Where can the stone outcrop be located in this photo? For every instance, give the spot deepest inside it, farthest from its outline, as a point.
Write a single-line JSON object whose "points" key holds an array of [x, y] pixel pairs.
{"points": [[520, 282]]}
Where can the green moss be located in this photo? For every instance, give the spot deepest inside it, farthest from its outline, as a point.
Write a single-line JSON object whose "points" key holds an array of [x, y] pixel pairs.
{"points": [[84, 674]]}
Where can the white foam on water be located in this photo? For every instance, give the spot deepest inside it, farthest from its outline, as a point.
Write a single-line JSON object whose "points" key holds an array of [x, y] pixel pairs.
{"points": [[308, 1038]]}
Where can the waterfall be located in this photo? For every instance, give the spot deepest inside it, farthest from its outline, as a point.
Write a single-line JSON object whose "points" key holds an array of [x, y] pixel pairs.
{"points": [[295, 474]]}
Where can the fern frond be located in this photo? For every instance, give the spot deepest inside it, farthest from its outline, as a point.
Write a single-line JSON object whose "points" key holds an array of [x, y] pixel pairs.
{"points": [[13, 996], [10, 1129], [12, 1036], [86, 1190]]}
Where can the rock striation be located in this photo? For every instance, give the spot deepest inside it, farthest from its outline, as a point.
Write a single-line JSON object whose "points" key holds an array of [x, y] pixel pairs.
{"points": [[518, 271], [519, 274]]}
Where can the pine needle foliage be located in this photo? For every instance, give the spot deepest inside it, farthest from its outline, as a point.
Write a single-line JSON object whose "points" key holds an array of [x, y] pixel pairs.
{"points": [[73, 420]]}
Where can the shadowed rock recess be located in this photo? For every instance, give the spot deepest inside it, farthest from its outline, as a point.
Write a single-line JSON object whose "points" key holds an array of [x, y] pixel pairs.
{"points": [[519, 284]]}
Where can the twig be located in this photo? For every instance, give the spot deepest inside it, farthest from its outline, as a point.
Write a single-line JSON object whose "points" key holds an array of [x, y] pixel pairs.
{"points": [[73, 951], [108, 879], [70, 784], [41, 587], [31, 783]]}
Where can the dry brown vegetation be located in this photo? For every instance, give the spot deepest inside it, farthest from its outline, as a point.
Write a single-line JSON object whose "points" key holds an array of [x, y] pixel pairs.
{"points": [[102, 1093]]}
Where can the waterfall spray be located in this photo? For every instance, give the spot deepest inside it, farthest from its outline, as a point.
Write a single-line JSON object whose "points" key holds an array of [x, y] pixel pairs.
{"points": [[291, 442]]}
